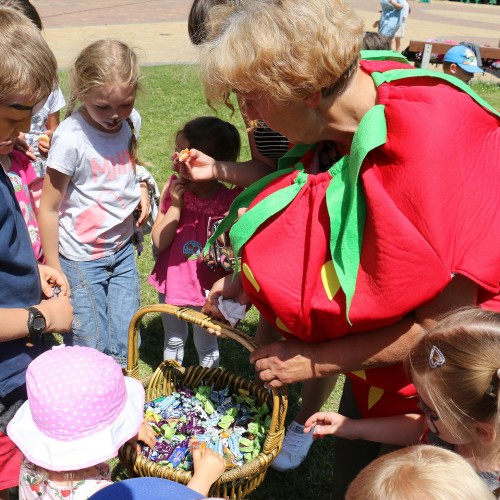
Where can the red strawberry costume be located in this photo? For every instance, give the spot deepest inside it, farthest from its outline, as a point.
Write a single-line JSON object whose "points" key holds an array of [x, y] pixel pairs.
{"points": [[385, 229]]}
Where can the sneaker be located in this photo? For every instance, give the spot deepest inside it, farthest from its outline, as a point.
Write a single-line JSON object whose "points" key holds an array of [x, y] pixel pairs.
{"points": [[295, 448]]}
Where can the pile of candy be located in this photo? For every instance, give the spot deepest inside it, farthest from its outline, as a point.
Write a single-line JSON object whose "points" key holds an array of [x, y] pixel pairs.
{"points": [[233, 425]]}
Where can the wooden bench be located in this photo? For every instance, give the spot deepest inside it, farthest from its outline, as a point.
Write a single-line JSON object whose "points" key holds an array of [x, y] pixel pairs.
{"points": [[428, 48]]}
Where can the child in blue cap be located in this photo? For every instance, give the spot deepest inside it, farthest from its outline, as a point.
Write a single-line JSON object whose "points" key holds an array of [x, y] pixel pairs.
{"points": [[460, 61]]}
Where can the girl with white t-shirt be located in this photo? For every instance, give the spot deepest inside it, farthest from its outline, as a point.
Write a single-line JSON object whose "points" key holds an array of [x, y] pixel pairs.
{"points": [[90, 193]]}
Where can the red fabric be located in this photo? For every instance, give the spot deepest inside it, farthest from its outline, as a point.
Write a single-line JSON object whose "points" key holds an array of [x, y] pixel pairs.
{"points": [[10, 463], [433, 209]]}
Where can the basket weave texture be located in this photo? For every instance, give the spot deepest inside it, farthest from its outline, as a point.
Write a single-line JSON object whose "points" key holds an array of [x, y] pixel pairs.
{"points": [[234, 483]]}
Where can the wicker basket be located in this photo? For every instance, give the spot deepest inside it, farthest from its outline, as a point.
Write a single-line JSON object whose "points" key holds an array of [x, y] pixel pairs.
{"points": [[234, 483]]}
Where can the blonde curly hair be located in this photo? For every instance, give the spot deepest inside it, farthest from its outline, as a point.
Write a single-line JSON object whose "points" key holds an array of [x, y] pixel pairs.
{"points": [[288, 48]]}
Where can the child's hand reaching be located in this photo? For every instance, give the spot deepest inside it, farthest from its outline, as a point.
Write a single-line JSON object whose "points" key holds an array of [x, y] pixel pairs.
{"points": [[146, 434], [208, 467], [323, 423]]}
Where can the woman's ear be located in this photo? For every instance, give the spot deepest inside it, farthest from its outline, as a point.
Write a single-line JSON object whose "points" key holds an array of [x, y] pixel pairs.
{"points": [[313, 100], [485, 432]]}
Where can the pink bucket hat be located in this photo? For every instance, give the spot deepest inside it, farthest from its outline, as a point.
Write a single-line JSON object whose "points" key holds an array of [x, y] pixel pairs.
{"points": [[80, 409]]}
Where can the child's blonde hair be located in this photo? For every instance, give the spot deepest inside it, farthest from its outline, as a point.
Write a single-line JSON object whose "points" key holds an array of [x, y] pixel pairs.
{"points": [[103, 63], [28, 67], [419, 472], [457, 363]]}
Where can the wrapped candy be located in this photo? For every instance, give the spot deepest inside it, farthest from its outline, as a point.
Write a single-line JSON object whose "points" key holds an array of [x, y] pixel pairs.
{"points": [[233, 425]]}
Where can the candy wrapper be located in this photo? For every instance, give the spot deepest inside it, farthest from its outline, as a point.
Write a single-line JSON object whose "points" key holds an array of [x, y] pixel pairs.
{"points": [[231, 310]]}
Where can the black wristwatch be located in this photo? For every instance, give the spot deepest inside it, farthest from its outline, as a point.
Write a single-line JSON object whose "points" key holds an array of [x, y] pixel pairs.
{"points": [[36, 325]]}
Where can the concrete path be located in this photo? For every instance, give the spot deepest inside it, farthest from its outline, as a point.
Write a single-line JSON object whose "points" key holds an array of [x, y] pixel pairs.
{"points": [[158, 28]]}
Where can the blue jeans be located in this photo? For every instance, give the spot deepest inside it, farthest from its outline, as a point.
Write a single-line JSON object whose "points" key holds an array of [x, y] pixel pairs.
{"points": [[105, 294]]}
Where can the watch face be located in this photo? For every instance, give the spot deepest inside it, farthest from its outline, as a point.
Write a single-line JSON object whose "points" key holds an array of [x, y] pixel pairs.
{"points": [[36, 321], [39, 324]]}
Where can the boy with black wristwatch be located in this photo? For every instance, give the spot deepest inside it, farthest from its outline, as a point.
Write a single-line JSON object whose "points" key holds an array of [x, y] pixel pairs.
{"points": [[25, 287]]}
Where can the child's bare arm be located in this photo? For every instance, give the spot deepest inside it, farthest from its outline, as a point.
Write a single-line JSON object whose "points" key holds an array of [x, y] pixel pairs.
{"points": [[54, 189], [208, 467], [397, 430], [144, 204], [165, 226]]}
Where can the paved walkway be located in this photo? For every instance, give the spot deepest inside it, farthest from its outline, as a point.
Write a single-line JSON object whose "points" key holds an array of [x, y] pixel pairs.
{"points": [[158, 28]]}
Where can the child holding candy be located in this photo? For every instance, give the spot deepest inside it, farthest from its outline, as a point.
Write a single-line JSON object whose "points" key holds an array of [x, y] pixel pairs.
{"points": [[208, 466], [80, 410], [26, 314], [455, 369], [180, 233]]}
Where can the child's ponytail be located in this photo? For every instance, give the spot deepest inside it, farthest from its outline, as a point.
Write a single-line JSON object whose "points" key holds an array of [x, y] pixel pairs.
{"points": [[133, 147], [457, 365]]}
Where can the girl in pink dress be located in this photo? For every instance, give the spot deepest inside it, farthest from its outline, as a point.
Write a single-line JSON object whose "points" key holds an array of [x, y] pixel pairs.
{"points": [[180, 232]]}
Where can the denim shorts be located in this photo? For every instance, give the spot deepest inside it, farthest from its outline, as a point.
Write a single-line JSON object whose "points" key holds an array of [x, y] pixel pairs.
{"points": [[105, 294]]}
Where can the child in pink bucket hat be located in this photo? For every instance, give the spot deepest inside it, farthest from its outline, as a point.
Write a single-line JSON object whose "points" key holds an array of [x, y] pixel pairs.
{"points": [[80, 410]]}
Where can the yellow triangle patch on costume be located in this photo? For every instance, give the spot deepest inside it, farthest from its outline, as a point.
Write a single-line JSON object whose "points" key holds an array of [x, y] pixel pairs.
{"points": [[330, 279], [360, 374], [282, 326], [374, 396], [250, 277]]}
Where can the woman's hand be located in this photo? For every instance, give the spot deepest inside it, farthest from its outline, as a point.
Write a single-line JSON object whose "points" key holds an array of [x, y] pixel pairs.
{"points": [[324, 423], [285, 362], [50, 278], [198, 167], [229, 287]]}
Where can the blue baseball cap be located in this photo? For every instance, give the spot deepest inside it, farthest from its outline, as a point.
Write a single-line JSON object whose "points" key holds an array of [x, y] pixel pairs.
{"points": [[152, 488], [464, 57]]}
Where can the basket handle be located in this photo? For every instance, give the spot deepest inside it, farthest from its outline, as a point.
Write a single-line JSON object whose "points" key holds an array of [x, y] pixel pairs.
{"points": [[187, 314]]}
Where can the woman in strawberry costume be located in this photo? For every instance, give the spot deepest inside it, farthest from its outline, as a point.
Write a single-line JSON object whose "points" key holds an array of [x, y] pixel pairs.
{"points": [[353, 263]]}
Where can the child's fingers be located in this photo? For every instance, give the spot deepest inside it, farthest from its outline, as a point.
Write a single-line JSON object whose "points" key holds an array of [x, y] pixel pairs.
{"points": [[197, 453], [314, 419]]}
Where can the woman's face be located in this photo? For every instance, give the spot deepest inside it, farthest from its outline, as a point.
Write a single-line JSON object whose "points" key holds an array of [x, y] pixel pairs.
{"points": [[14, 120], [294, 120], [108, 106]]}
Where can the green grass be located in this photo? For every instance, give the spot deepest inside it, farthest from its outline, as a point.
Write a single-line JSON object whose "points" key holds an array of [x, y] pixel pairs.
{"points": [[170, 96]]}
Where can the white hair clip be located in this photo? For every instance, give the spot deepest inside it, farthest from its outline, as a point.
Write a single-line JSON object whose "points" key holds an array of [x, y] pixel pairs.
{"points": [[436, 357]]}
